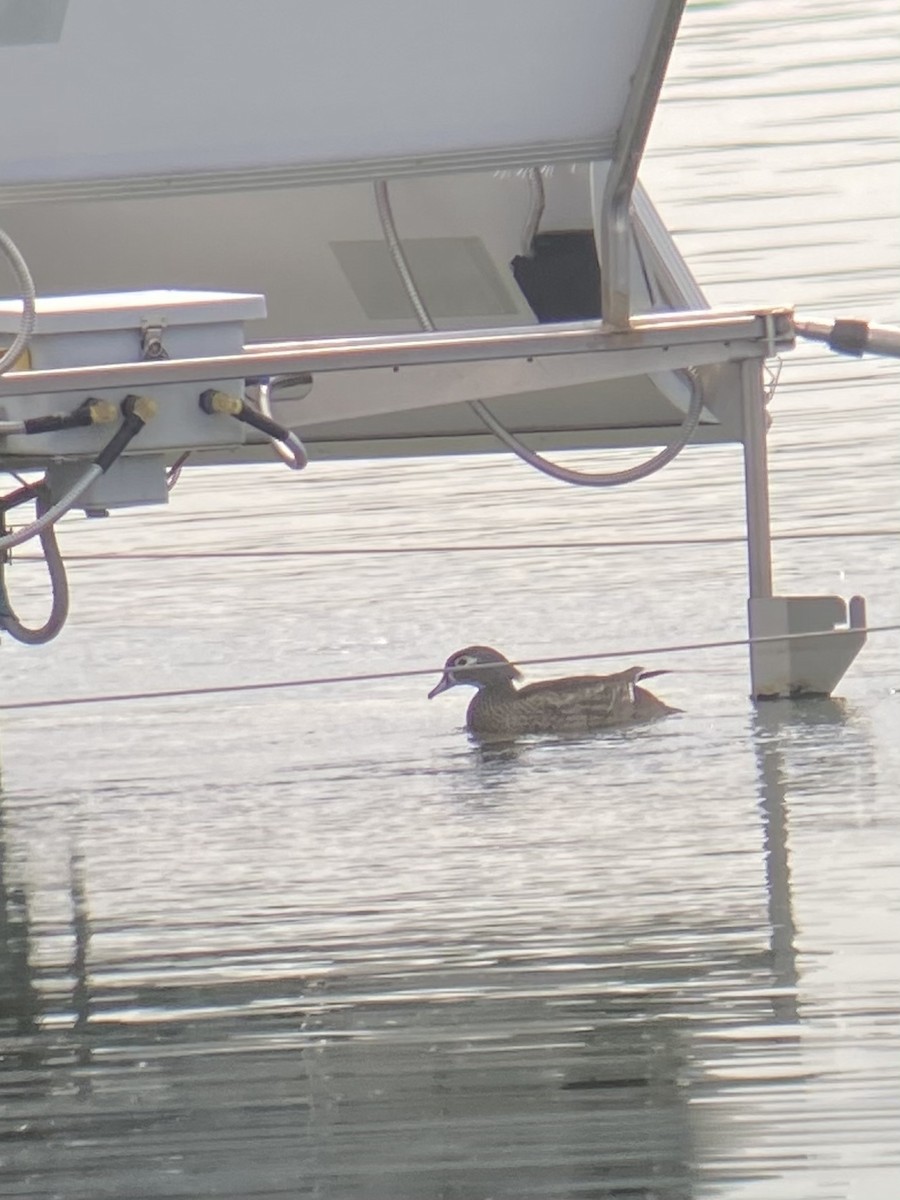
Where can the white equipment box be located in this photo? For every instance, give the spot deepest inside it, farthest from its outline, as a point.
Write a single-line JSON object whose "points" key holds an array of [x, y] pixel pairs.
{"points": [[128, 327]]}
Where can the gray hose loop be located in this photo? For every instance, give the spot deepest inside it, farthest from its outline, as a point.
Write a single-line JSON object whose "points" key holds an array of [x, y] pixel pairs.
{"points": [[484, 414], [26, 287], [46, 518], [59, 591], [607, 478], [291, 450]]}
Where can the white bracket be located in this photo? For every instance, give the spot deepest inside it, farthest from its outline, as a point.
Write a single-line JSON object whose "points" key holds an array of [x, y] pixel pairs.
{"points": [[792, 664], [795, 665]]}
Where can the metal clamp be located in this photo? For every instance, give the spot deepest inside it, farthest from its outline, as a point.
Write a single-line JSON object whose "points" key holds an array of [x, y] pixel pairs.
{"points": [[152, 348]]}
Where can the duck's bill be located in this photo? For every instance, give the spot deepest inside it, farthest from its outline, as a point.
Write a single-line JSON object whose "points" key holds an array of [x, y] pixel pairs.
{"points": [[446, 682]]}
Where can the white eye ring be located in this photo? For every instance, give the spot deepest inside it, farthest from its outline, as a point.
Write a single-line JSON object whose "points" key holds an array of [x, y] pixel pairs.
{"points": [[464, 660]]}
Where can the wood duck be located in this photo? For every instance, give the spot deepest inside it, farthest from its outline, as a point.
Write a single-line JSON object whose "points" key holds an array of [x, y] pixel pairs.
{"points": [[579, 704]]}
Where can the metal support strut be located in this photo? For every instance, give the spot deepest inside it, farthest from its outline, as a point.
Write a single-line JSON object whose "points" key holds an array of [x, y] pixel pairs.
{"points": [[794, 665], [756, 480]]}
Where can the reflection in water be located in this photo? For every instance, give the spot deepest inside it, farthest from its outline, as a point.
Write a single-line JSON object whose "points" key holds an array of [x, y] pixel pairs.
{"points": [[773, 720], [567, 1044], [785, 728], [516, 1056], [81, 932], [587, 986], [18, 996]]}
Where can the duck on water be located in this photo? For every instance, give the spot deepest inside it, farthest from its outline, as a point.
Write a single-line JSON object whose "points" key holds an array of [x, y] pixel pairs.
{"points": [[576, 705]]}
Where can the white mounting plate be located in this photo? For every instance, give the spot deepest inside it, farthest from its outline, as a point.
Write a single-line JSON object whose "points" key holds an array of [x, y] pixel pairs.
{"points": [[331, 88]]}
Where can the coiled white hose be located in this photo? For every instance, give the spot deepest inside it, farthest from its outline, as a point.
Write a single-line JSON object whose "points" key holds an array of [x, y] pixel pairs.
{"points": [[484, 414], [29, 299]]}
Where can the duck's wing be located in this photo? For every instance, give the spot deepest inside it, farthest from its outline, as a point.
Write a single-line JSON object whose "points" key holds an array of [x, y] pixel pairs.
{"points": [[580, 702], [577, 684]]}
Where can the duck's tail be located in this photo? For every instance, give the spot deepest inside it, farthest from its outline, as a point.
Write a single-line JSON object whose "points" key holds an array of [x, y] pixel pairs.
{"points": [[647, 706]]}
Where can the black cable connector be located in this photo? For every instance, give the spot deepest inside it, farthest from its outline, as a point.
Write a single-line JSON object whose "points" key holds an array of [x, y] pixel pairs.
{"points": [[136, 411], [90, 412], [213, 402], [54, 422], [849, 336], [291, 449]]}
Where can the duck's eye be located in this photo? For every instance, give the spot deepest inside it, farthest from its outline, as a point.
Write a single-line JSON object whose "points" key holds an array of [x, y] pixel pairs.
{"points": [[464, 660]]}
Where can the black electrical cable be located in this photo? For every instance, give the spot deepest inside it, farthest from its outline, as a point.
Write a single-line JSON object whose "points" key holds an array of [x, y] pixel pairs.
{"points": [[213, 402], [136, 412], [91, 412]]}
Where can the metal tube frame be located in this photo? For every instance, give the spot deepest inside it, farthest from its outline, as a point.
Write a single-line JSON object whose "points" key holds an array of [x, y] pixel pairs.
{"points": [[615, 215], [713, 336], [756, 480]]}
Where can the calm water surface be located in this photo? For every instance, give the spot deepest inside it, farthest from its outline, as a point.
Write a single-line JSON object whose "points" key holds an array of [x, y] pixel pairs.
{"points": [[311, 942]]}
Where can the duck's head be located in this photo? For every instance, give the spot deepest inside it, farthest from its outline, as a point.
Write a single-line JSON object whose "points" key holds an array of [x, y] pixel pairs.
{"points": [[477, 666]]}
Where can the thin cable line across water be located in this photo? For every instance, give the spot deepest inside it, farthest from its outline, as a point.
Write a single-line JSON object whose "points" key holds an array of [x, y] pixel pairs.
{"points": [[375, 676], [458, 548]]}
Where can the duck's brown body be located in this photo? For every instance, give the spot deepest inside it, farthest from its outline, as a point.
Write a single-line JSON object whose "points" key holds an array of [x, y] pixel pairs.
{"points": [[569, 707]]}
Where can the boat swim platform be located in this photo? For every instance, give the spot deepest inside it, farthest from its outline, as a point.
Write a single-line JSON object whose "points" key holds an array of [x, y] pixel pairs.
{"points": [[448, 245]]}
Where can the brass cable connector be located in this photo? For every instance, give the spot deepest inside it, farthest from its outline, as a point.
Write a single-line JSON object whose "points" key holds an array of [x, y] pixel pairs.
{"points": [[136, 412], [102, 412], [139, 408], [213, 402], [221, 404]]}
